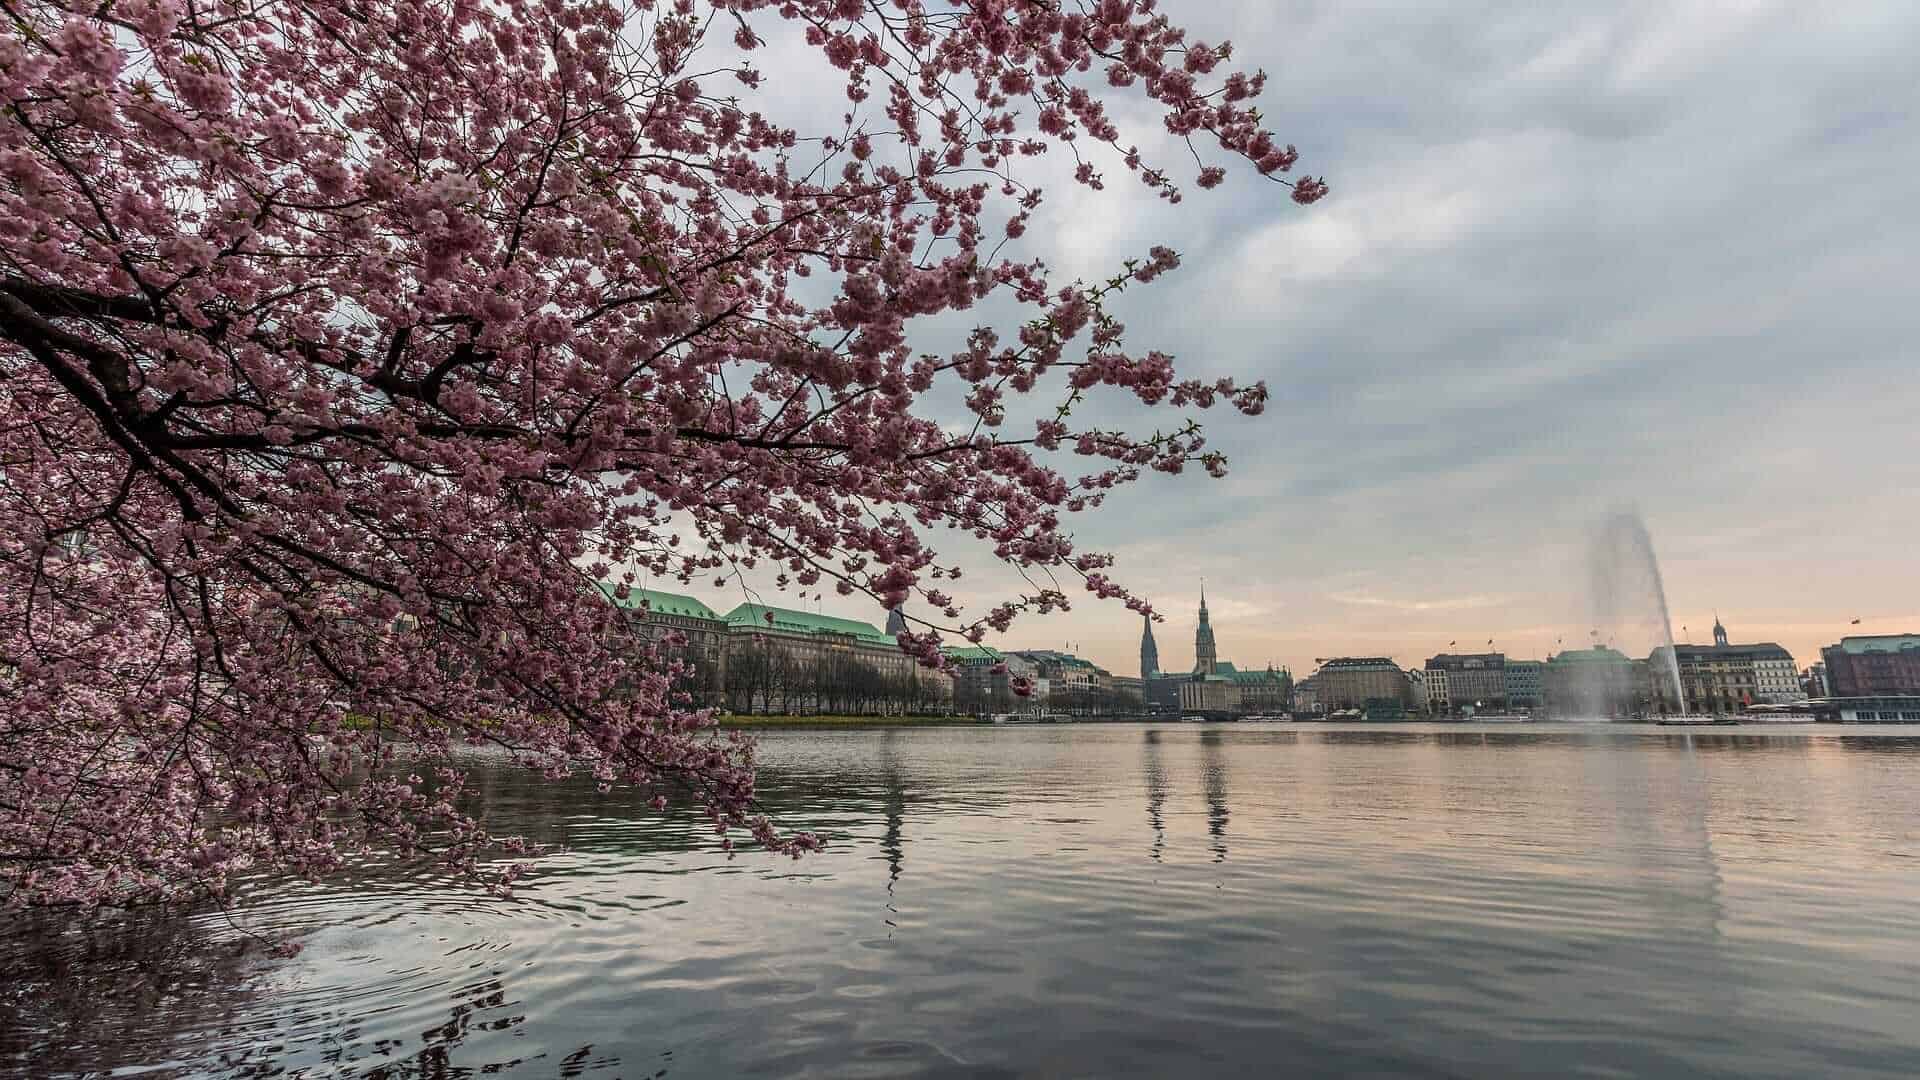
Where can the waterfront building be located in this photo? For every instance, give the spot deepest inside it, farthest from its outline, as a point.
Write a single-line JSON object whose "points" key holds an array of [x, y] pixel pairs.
{"points": [[1437, 685], [1162, 693], [1306, 695], [1068, 675], [1206, 695], [763, 659], [1077, 687], [652, 614], [1474, 680], [1417, 698], [781, 660], [1814, 680], [1870, 665], [1526, 684], [1373, 683], [1726, 677], [1263, 693], [983, 682], [1596, 682]]}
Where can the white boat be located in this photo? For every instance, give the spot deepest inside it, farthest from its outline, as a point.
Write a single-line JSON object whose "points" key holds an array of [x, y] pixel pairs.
{"points": [[1500, 718], [1193, 719], [1696, 720]]}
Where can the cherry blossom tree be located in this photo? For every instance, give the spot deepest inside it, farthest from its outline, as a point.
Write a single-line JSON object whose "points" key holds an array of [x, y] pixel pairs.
{"points": [[346, 346]]}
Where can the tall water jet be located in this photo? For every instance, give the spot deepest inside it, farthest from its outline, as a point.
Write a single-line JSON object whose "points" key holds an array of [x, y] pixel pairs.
{"points": [[1629, 600]]}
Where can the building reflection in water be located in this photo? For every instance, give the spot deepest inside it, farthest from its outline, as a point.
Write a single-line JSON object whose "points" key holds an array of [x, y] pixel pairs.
{"points": [[894, 804], [1213, 766], [1156, 775]]}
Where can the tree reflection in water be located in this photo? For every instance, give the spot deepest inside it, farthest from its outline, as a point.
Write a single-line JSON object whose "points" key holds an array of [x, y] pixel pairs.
{"points": [[118, 992], [72, 993]]}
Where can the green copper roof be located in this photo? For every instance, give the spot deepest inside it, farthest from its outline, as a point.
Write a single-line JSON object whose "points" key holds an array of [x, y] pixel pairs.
{"points": [[754, 617], [660, 603], [1225, 667], [972, 652], [1053, 656], [1597, 654]]}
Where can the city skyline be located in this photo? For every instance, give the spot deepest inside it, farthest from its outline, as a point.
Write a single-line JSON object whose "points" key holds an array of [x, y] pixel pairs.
{"points": [[1115, 645]]}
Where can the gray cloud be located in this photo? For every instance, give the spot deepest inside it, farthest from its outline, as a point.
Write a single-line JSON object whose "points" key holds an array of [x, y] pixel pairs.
{"points": [[1575, 256], [1660, 254]]}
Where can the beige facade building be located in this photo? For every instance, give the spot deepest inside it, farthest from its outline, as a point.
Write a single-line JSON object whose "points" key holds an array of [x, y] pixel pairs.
{"points": [[1374, 683]]}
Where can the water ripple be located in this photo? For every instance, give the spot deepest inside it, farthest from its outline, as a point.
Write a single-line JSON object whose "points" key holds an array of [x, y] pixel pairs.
{"points": [[1093, 901]]}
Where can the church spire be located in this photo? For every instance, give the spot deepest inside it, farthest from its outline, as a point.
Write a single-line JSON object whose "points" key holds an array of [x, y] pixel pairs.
{"points": [[1204, 657], [1719, 632], [1149, 652]]}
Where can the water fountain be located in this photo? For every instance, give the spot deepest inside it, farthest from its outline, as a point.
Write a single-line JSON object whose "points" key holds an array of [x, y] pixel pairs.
{"points": [[1630, 603]]}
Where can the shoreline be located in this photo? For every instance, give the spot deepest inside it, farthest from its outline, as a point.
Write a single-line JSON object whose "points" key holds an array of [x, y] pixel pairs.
{"points": [[839, 721]]}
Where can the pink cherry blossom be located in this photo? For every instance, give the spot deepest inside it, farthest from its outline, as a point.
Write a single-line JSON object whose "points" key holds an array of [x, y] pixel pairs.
{"points": [[347, 348]]}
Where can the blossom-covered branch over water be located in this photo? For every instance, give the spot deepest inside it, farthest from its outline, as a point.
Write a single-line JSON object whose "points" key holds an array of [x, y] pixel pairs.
{"points": [[344, 346]]}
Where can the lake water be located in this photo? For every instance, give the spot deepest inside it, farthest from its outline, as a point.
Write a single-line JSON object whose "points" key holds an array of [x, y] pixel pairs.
{"points": [[1111, 900]]}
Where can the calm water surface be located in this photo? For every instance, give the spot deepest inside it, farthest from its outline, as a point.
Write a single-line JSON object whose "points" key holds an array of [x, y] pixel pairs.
{"points": [[1115, 900]]}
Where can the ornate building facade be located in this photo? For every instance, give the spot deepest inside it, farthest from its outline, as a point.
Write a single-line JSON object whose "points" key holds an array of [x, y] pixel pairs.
{"points": [[1725, 677], [762, 659], [1217, 688]]}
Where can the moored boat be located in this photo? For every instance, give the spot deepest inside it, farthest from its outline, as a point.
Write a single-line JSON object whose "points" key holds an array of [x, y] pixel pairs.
{"points": [[1696, 720]]}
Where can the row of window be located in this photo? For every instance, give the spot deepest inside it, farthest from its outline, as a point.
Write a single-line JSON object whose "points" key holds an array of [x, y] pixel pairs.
{"points": [[1888, 714]]}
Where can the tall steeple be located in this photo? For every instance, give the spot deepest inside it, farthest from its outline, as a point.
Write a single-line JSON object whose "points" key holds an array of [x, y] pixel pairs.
{"points": [[1149, 652], [1719, 632], [896, 623], [1203, 651]]}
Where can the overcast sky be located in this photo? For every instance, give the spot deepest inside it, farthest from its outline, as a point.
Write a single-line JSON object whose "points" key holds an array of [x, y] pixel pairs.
{"points": [[1576, 257]]}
